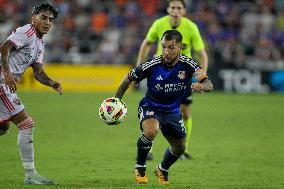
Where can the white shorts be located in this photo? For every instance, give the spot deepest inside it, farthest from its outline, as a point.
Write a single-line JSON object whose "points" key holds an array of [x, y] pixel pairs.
{"points": [[10, 104]]}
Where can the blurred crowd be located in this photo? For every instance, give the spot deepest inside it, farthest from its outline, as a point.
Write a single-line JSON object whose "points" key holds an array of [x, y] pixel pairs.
{"points": [[236, 33]]}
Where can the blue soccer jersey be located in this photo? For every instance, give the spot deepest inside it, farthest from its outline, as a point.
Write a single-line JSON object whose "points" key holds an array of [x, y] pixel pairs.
{"points": [[166, 85]]}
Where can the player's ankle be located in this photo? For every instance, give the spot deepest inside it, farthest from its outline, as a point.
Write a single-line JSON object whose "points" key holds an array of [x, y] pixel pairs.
{"points": [[30, 172]]}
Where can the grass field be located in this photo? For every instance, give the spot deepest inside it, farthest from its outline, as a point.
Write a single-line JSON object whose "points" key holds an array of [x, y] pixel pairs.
{"points": [[237, 142]]}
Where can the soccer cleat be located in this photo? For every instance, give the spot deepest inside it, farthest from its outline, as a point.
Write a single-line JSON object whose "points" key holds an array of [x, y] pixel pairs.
{"points": [[185, 156], [162, 175], [38, 179], [140, 175]]}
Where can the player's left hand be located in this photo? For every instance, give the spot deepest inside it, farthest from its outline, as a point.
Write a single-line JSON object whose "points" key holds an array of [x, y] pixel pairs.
{"points": [[197, 87], [57, 86]]}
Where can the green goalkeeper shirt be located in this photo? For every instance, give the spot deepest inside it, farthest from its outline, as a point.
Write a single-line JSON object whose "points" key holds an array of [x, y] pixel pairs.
{"points": [[189, 31]]}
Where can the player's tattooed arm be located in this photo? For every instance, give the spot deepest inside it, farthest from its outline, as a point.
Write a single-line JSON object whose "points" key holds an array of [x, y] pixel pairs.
{"points": [[9, 79], [123, 87], [43, 78], [5, 52], [204, 86]]}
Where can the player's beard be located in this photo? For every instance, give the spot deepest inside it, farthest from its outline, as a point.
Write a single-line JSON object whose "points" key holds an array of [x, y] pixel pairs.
{"points": [[172, 62]]}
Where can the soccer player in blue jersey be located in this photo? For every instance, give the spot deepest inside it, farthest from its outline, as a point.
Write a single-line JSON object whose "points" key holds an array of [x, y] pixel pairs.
{"points": [[168, 80], [192, 42]]}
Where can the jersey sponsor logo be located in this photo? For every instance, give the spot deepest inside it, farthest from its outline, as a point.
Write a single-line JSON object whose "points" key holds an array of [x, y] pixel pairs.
{"points": [[159, 78], [181, 75], [17, 101], [149, 113], [172, 87]]}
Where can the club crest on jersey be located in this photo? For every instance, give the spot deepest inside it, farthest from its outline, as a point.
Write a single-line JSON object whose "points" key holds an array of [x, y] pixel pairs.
{"points": [[149, 113], [181, 75]]}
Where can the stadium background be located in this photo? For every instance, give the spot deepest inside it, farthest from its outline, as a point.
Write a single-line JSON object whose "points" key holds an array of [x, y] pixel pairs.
{"points": [[244, 39], [238, 131]]}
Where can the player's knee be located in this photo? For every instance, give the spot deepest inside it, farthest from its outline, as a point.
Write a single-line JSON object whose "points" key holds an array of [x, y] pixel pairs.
{"points": [[26, 124], [4, 128], [178, 149], [150, 133], [150, 128]]}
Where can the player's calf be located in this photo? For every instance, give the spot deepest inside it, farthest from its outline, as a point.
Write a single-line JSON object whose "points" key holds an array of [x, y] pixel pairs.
{"points": [[178, 149], [4, 127]]}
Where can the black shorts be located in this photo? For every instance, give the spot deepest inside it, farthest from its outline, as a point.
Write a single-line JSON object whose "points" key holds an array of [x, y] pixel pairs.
{"points": [[187, 98], [171, 124]]}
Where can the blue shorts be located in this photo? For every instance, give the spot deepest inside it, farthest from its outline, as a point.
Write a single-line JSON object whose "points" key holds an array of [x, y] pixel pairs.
{"points": [[171, 124]]}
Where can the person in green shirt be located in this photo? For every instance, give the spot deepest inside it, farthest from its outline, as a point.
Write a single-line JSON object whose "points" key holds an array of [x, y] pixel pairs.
{"points": [[191, 41]]}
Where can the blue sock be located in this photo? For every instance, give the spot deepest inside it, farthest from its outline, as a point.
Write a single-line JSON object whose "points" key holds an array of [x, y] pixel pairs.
{"points": [[143, 147], [169, 159]]}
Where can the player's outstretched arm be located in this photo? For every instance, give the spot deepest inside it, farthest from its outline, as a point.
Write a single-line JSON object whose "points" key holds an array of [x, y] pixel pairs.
{"points": [[43, 78], [204, 86], [123, 87], [143, 52], [9, 79], [203, 60]]}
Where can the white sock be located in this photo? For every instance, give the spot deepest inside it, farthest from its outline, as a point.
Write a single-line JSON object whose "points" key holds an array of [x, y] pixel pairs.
{"points": [[26, 147]]}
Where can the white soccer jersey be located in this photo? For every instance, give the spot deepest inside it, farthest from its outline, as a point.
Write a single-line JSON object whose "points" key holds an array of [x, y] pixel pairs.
{"points": [[29, 49]]}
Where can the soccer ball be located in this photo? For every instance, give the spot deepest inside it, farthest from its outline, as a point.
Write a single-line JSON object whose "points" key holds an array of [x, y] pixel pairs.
{"points": [[112, 111]]}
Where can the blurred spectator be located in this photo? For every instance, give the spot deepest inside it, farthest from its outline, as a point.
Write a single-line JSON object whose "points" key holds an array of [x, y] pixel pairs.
{"points": [[99, 31]]}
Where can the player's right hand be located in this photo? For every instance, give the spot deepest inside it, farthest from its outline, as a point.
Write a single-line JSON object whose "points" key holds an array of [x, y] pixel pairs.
{"points": [[197, 87], [10, 82]]}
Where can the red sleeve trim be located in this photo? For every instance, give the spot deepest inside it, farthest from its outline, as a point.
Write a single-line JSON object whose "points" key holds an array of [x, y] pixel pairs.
{"points": [[29, 30]]}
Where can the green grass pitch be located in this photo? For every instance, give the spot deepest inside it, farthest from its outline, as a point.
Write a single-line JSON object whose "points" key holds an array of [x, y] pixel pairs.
{"points": [[237, 142]]}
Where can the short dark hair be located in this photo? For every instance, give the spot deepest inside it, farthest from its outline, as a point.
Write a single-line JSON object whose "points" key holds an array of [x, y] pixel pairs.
{"points": [[44, 7], [182, 2], [172, 35]]}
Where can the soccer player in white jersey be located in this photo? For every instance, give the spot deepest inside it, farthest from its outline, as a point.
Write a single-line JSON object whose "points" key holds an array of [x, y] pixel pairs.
{"points": [[25, 48]]}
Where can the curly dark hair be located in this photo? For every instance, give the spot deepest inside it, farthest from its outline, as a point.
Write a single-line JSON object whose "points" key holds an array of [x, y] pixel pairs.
{"points": [[44, 7]]}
